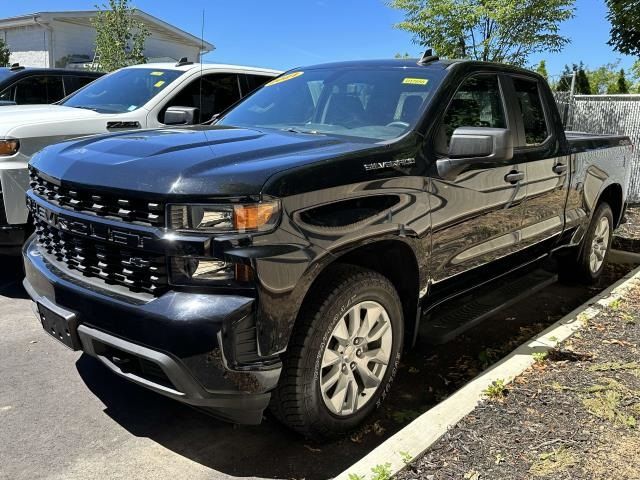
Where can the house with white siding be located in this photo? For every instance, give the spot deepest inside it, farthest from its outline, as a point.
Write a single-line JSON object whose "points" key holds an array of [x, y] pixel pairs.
{"points": [[58, 39]]}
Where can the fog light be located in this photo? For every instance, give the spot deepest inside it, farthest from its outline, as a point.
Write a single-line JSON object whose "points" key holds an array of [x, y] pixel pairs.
{"points": [[186, 271]]}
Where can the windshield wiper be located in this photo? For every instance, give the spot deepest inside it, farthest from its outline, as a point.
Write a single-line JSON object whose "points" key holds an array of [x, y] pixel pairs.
{"points": [[296, 130]]}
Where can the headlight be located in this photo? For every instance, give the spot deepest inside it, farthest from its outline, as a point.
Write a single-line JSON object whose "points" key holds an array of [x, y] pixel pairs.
{"points": [[233, 218], [9, 146]]}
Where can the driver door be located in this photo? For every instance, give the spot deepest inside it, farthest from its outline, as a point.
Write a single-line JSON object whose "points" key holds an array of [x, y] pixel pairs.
{"points": [[477, 217]]}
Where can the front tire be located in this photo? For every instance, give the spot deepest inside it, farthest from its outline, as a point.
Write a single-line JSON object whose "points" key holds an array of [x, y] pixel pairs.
{"points": [[343, 355]]}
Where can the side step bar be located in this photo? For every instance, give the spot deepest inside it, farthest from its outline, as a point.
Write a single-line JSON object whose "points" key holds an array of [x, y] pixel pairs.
{"points": [[447, 321]]}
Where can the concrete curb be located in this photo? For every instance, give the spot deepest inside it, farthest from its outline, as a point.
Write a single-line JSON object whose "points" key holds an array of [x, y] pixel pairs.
{"points": [[425, 430]]}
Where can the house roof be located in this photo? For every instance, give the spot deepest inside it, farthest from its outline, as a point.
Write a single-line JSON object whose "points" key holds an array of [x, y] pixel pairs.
{"points": [[158, 27]]}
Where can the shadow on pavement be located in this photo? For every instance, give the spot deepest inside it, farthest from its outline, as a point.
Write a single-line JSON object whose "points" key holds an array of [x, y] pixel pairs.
{"points": [[11, 275], [268, 450], [427, 375]]}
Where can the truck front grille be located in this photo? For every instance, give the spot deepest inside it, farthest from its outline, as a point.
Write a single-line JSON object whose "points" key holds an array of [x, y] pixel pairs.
{"points": [[136, 270], [132, 210]]}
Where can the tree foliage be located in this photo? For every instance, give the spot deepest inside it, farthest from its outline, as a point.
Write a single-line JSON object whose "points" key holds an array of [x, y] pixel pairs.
{"points": [[541, 68], [621, 83], [624, 16], [490, 30], [4, 54], [564, 84], [583, 87], [120, 36]]}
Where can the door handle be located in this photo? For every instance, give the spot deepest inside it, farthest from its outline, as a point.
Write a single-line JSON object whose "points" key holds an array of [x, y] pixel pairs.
{"points": [[513, 177], [559, 168]]}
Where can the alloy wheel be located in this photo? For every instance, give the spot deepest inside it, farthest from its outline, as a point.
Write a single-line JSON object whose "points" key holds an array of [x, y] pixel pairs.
{"points": [[356, 358]]}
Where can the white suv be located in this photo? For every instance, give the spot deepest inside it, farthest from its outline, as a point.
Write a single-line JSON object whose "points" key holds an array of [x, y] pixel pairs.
{"points": [[142, 96]]}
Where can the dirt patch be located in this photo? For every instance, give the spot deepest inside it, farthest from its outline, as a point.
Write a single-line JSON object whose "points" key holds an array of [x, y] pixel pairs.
{"points": [[627, 237], [574, 414]]}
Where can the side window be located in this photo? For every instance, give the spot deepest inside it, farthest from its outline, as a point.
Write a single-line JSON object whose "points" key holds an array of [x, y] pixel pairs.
{"points": [[219, 91], [535, 124], [254, 82], [31, 90], [55, 89], [477, 103], [39, 89], [73, 83], [8, 94]]}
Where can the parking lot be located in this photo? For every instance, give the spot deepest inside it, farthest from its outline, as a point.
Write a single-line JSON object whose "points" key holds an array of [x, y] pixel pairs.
{"points": [[63, 415]]}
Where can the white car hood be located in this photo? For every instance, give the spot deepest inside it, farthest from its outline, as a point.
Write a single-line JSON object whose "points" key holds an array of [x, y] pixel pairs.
{"points": [[18, 115]]}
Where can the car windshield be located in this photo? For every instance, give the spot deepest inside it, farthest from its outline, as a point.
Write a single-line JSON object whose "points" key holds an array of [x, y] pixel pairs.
{"points": [[125, 90], [373, 103], [5, 73]]}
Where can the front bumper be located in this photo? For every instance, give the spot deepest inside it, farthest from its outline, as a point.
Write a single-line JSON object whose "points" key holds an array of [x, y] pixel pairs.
{"points": [[179, 344]]}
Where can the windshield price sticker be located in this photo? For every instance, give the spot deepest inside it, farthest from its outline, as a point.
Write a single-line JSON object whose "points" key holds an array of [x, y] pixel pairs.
{"points": [[159, 84], [284, 78], [415, 81], [157, 74]]}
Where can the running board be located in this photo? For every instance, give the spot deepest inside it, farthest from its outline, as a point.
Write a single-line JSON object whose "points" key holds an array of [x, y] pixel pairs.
{"points": [[447, 321]]}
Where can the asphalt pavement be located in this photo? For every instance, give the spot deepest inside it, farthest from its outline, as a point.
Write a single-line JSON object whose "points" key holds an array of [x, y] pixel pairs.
{"points": [[63, 415]]}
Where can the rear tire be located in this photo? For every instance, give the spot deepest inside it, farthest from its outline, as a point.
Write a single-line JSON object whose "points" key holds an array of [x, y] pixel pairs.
{"points": [[591, 260], [343, 354]]}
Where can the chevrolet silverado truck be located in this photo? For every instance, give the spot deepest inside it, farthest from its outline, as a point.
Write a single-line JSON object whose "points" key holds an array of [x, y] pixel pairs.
{"points": [[288, 253], [137, 97]]}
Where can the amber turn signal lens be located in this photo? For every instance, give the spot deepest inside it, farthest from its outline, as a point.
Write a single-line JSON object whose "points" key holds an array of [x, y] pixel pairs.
{"points": [[253, 217], [9, 147]]}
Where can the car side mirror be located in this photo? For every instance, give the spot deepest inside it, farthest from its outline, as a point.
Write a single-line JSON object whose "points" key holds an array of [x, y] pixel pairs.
{"points": [[180, 116], [475, 145]]}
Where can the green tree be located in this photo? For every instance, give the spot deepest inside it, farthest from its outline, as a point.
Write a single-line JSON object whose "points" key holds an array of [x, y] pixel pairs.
{"points": [[120, 36], [564, 84], [541, 68], [604, 78], [621, 83], [490, 30], [582, 80], [4, 54], [624, 16], [402, 55]]}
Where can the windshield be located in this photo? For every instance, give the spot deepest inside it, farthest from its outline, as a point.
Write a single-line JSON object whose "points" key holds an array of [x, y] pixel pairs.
{"points": [[122, 91], [379, 104]]}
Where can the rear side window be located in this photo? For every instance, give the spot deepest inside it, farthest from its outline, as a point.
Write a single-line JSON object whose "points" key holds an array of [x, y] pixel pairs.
{"points": [[477, 103], [73, 83], [55, 88], [38, 89], [530, 102], [252, 82]]}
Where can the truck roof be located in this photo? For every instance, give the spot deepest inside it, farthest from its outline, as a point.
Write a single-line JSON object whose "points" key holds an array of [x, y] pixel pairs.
{"points": [[207, 66]]}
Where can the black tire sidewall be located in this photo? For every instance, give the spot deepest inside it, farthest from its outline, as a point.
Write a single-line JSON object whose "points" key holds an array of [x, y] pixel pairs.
{"points": [[380, 291], [603, 210]]}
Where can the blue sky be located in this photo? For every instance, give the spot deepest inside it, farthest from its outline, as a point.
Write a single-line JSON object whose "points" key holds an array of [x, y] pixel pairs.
{"points": [[288, 33]]}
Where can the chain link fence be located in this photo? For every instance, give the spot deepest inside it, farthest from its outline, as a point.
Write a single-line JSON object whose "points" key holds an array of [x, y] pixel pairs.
{"points": [[606, 114]]}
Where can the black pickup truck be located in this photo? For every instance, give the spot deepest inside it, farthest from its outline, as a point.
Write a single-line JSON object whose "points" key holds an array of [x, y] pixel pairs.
{"points": [[287, 254]]}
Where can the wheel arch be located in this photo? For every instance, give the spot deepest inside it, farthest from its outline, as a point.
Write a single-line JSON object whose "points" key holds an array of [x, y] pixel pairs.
{"points": [[613, 195], [393, 258]]}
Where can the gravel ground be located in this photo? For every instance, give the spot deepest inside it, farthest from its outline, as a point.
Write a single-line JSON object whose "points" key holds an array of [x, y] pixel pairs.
{"points": [[574, 414], [627, 237]]}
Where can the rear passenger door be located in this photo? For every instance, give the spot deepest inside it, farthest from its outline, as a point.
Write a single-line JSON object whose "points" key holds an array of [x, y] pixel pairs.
{"points": [[538, 148], [477, 217]]}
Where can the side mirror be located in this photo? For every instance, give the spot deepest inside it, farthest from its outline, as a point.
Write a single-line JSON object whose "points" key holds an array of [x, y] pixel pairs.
{"points": [[475, 145], [180, 116]]}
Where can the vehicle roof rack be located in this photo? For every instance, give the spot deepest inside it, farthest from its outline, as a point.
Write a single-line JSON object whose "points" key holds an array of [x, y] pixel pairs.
{"points": [[428, 57], [16, 66], [183, 61]]}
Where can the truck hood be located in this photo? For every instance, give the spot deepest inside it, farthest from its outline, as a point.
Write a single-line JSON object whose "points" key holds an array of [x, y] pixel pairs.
{"points": [[17, 115], [201, 161]]}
